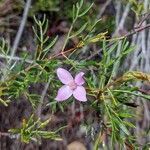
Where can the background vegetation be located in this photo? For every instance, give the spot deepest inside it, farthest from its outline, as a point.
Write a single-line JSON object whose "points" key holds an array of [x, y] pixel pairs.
{"points": [[108, 40]]}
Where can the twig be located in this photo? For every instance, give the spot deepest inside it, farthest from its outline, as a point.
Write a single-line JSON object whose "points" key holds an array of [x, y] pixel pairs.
{"points": [[121, 38], [136, 30], [143, 19], [20, 31], [102, 10], [39, 109], [16, 58], [11, 136], [135, 56], [118, 12], [123, 18], [17, 39], [4, 134]]}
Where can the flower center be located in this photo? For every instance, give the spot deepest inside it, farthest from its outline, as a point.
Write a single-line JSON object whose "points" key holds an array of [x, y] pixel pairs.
{"points": [[72, 85]]}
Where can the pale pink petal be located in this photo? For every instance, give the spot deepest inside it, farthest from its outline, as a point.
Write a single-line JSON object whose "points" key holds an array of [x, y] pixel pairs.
{"points": [[80, 94], [64, 93], [79, 78], [64, 76]]}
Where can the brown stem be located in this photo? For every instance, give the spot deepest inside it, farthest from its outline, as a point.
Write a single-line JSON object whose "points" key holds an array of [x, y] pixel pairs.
{"points": [[132, 32]]}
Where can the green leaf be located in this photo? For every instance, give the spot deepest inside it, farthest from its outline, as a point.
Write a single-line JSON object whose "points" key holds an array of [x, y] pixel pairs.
{"points": [[14, 131], [120, 124], [51, 44], [85, 11], [81, 3], [46, 27], [129, 124], [79, 31], [123, 128], [4, 102], [125, 115], [30, 121], [73, 12], [145, 96], [44, 124], [34, 30]]}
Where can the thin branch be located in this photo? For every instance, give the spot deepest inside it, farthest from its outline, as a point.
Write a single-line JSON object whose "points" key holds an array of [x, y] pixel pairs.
{"points": [[123, 18], [143, 19], [11, 136], [132, 32], [136, 30], [16, 58], [102, 10], [39, 109], [17, 39], [21, 28]]}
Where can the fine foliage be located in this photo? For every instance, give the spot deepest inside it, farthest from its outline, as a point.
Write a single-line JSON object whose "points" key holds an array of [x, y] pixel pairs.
{"points": [[100, 85]]}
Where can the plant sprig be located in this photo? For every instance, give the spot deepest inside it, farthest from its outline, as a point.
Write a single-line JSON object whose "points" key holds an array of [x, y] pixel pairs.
{"points": [[31, 130]]}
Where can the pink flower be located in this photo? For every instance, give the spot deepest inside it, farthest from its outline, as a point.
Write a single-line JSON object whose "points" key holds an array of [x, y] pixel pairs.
{"points": [[71, 86]]}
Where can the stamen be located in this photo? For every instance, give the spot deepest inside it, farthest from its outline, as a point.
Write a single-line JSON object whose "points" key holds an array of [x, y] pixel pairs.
{"points": [[72, 85]]}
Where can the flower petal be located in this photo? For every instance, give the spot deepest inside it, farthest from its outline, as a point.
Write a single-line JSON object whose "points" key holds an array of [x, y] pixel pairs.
{"points": [[64, 76], [79, 78], [80, 94], [64, 93]]}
